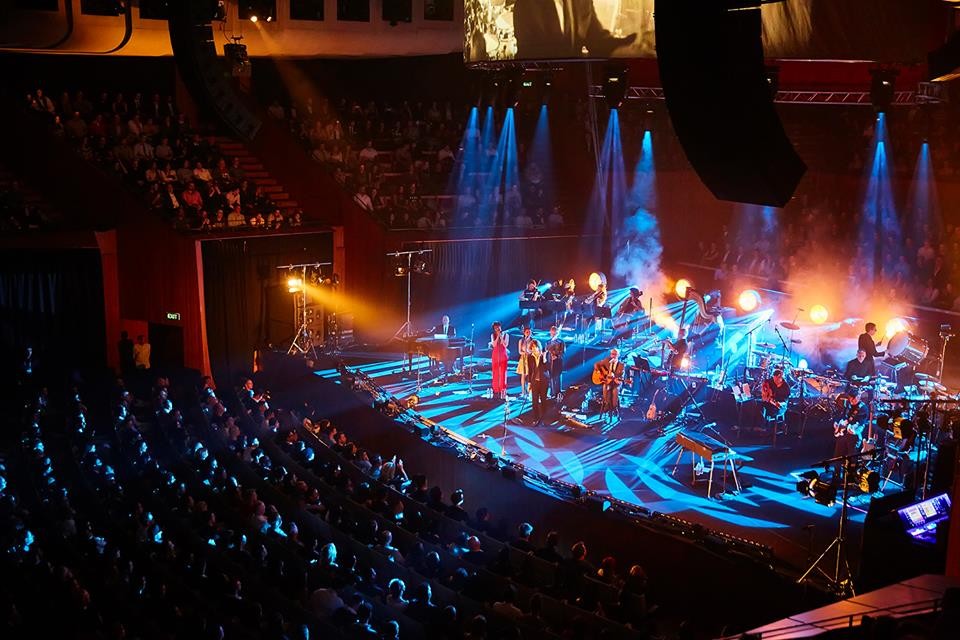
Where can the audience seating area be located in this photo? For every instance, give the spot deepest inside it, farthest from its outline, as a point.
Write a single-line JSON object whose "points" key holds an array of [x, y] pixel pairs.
{"points": [[22, 209], [196, 181], [401, 161], [191, 512]]}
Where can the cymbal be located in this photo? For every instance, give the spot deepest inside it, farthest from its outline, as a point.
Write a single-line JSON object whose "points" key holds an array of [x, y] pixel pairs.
{"points": [[803, 372], [796, 341], [763, 345], [792, 326], [923, 377]]}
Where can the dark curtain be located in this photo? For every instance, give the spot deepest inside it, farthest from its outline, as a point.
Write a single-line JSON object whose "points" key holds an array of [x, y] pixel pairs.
{"points": [[246, 300], [52, 301]]}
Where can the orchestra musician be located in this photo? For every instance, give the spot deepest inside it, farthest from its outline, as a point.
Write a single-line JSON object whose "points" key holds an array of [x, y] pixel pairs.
{"points": [[609, 372], [598, 299], [866, 341], [555, 349], [848, 429], [627, 312], [523, 359], [530, 294], [569, 297], [678, 348], [537, 373], [499, 341], [775, 393]]}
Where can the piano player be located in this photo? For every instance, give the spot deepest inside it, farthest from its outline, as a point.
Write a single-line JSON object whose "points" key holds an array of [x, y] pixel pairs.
{"points": [[444, 328]]}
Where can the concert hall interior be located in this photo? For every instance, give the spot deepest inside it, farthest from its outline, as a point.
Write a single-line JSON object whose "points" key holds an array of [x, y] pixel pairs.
{"points": [[480, 318]]}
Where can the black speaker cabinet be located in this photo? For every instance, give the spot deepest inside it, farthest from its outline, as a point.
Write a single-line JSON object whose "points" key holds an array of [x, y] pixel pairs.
{"points": [[721, 103]]}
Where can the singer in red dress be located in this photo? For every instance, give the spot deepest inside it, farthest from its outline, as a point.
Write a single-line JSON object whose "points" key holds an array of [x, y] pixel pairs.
{"points": [[498, 343]]}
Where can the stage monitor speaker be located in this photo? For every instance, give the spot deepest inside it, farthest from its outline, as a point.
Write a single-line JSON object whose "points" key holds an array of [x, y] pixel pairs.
{"points": [[207, 76], [719, 98]]}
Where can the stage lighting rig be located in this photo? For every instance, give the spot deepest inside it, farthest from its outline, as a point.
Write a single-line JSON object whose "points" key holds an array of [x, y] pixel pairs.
{"points": [[882, 87], [615, 80], [296, 280], [680, 288], [257, 10]]}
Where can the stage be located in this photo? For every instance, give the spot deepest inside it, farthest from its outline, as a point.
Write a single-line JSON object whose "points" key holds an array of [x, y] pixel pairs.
{"points": [[633, 459]]}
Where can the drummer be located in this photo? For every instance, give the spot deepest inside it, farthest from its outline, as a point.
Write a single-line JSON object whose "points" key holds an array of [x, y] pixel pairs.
{"points": [[861, 368], [866, 341]]}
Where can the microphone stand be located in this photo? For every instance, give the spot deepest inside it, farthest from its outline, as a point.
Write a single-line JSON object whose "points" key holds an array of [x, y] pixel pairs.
{"points": [[469, 367]]}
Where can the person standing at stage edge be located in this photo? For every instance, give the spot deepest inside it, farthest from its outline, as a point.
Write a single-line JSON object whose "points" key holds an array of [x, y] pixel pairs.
{"points": [[499, 341], [141, 353], [555, 349], [523, 360], [537, 369]]}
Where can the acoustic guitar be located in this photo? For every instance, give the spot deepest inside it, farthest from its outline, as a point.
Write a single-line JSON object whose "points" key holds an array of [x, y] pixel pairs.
{"points": [[603, 375]]}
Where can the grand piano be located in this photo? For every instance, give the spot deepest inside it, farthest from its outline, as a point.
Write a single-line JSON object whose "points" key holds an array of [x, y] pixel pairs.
{"points": [[440, 349]]}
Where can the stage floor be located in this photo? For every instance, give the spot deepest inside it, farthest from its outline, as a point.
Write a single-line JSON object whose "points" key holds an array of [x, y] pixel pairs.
{"points": [[633, 459]]}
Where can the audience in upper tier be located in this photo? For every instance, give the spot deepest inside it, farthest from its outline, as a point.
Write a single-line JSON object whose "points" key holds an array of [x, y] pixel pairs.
{"points": [[17, 211], [181, 172], [403, 163]]}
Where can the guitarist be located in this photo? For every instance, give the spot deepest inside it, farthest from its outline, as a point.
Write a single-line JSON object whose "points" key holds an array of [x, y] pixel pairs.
{"points": [[609, 373], [774, 393]]}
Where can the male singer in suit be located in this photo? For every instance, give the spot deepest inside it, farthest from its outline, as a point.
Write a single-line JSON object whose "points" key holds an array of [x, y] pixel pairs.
{"points": [[538, 377], [612, 368], [561, 29]]}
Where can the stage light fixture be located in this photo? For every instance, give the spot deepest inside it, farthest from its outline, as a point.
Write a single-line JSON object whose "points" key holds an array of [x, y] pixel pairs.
{"points": [[680, 288], [812, 486], [615, 85], [254, 19], [803, 364], [895, 326], [411, 401], [294, 285], [596, 279], [818, 314], [882, 87], [420, 265], [749, 300]]}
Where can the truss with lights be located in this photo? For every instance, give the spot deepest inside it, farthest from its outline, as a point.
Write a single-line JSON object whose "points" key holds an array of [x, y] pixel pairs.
{"points": [[862, 98]]}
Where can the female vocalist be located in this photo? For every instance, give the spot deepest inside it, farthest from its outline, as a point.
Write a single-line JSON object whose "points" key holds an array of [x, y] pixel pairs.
{"points": [[498, 343]]}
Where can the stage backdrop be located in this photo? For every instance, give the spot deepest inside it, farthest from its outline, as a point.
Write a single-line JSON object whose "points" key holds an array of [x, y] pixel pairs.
{"points": [[246, 299], [885, 30], [52, 301]]}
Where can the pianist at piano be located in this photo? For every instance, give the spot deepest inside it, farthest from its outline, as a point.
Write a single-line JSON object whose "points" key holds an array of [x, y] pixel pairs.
{"points": [[444, 328]]}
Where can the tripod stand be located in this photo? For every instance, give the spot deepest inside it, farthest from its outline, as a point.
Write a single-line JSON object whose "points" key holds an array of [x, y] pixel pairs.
{"points": [[406, 329], [841, 582], [407, 270], [302, 342]]}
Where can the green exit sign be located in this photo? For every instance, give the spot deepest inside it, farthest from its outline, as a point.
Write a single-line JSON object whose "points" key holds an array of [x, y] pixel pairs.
{"points": [[172, 316]]}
